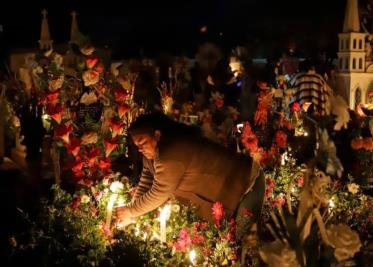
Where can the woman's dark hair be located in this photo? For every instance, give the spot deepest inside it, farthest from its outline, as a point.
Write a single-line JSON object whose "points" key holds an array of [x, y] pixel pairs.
{"points": [[170, 129]]}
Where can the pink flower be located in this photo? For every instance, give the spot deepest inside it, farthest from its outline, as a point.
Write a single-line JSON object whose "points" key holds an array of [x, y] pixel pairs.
{"points": [[184, 241], [218, 212], [300, 181]]}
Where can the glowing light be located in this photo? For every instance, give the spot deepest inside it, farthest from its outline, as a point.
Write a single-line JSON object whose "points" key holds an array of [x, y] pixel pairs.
{"points": [[116, 187], [331, 204], [164, 215], [137, 230], [109, 210], [284, 158], [192, 257]]}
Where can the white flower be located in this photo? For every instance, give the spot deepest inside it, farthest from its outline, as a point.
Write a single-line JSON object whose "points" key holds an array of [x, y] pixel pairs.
{"points": [[175, 208], [105, 181], [58, 60], [85, 199], [87, 50], [353, 188], [319, 184], [56, 84], [37, 70], [345, 241], [116, 187], [90, 77], [88, 98], [89, 138], [278, 254]]}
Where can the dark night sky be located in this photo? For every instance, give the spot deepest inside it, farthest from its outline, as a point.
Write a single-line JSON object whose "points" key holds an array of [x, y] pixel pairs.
{"points": [[159, 26]]}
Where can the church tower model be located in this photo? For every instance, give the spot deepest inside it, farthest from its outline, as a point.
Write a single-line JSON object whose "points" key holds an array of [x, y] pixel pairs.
{"points": [[354, 76]]}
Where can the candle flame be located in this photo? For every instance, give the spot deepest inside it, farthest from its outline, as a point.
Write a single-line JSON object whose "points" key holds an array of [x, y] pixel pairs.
{"points": [[192, 256]]}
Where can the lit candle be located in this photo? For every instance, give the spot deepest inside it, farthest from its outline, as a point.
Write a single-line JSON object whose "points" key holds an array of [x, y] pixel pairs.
{"points": [[109, 211], [115, 187], [192, 257], [164, 215]]}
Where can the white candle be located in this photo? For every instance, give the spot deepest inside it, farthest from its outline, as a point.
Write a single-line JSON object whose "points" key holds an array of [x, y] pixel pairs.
{"points": [[163, 217], [192, 257], [109, 210]]}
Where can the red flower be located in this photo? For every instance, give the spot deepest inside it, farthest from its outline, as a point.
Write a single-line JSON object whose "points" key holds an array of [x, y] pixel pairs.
{"points": [[85, 182], [63, 131], [262, 85], [55, 111], [78, 166], [91, 62], [116, 128], [92, 157], [75, 203], [74, 146], [121, 95], [296, 106], [198, 239], [231, 236], [219, 102], [248, 138], [261, 113], [100, 68], [279, 201], [368, 143], [199, 226], [52, 98], [247, 213], [122, 110], [218, 212], [104, 164], [110, 145], [281, 138]]}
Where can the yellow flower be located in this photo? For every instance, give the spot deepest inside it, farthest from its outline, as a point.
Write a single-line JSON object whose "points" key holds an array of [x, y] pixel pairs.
{"points": [[85, 199], [353, 188], [225, 262], [89, 138]]}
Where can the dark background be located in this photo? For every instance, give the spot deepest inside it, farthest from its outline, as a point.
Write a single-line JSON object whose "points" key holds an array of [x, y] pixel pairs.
{"points": [[131, 28]]}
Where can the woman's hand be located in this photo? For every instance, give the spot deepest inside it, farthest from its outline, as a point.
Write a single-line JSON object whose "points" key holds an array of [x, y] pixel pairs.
{"points": [[123, 217]]}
